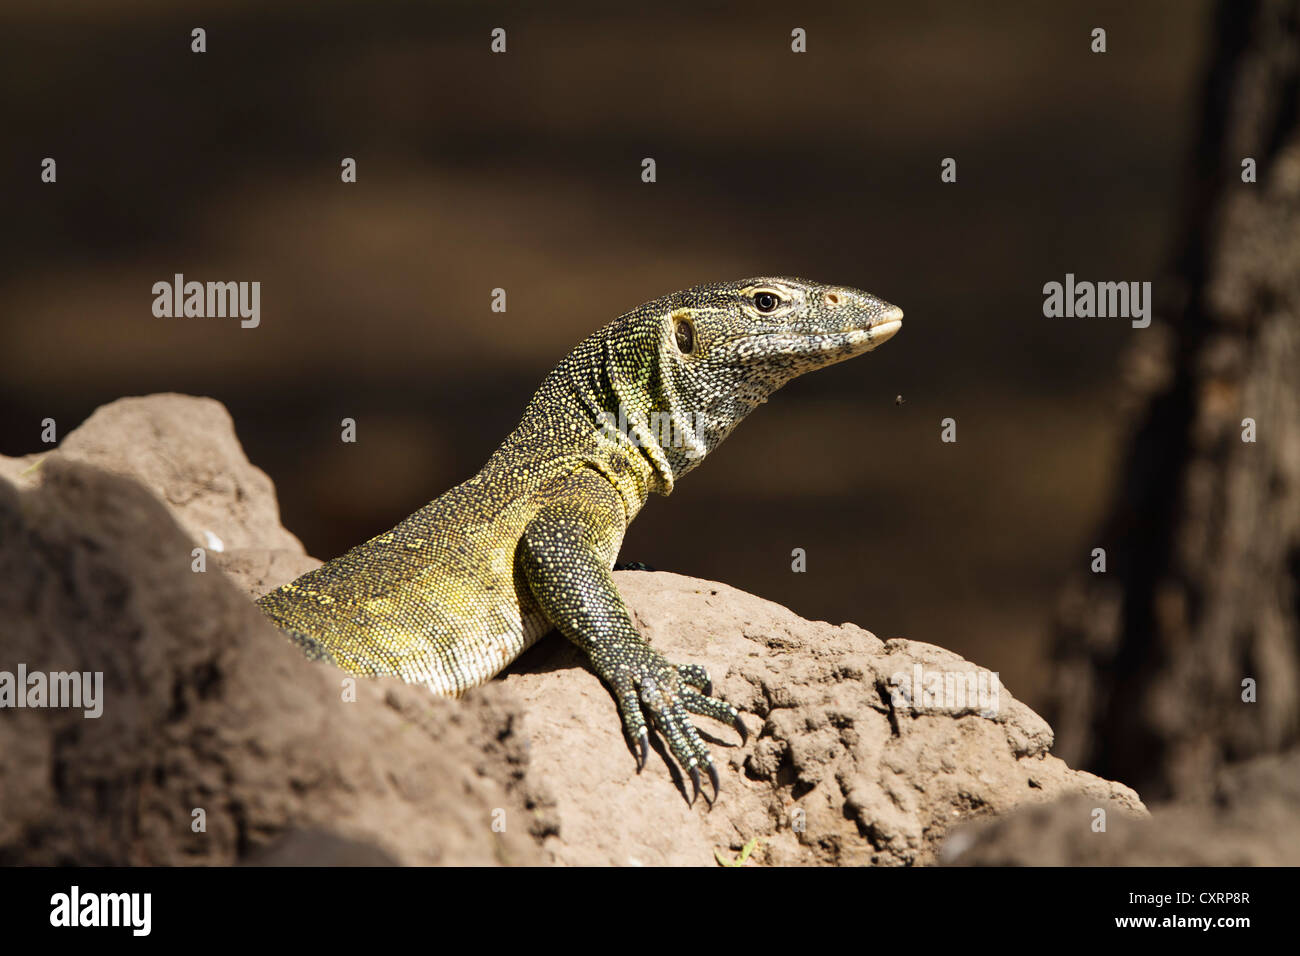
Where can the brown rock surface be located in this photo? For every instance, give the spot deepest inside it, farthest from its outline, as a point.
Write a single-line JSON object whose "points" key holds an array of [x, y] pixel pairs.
{"points": [[873, 784], [1252, 819], [206, 705]]}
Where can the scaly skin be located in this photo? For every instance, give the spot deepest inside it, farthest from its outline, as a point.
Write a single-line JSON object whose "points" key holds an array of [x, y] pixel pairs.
{"points": [[462, 587]]}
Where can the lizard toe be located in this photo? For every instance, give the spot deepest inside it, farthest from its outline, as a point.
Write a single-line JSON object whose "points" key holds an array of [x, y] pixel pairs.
{"points": [[634, 725], [695, 676], [643, 752], [719, 710]]}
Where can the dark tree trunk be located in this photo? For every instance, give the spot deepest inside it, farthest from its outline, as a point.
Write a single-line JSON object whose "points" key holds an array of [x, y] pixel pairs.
{"points": [[1203, 537]]}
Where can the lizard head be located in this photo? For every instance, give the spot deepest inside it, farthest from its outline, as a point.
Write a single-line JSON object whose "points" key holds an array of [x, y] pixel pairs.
{"points": [[720, 350], [771, 330]]}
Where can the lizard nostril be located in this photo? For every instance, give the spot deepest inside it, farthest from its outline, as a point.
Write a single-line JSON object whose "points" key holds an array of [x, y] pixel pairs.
{"points": [[832, 298]]}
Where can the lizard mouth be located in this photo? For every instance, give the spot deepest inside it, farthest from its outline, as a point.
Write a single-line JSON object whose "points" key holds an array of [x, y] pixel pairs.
{"points": [[884, 328], [874, 335], [836, 346], [882, 332]]}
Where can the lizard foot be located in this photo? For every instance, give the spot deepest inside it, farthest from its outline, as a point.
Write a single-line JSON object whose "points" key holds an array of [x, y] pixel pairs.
{"points": [[649, 683]]}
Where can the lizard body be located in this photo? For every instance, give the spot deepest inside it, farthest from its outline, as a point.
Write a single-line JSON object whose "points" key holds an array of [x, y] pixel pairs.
{"points": [[462, 587]]}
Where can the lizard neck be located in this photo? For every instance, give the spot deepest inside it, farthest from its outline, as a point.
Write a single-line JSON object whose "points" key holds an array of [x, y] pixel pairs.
{"points": [[617, 400]]}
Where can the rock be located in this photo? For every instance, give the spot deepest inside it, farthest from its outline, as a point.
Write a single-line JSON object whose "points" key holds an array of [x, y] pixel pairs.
{"points": [[184, 450], [828, 751], [206, 705], [1252, 819]]}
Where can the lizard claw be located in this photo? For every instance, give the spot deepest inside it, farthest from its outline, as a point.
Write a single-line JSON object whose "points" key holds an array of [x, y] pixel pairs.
{"points": [[740, 727], [649, 686]]}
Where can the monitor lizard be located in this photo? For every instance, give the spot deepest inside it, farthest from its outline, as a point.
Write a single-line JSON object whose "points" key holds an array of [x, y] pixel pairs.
{"points": [[462, 587]]}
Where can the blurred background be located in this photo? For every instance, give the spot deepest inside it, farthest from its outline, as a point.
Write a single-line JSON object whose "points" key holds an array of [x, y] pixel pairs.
{"points": [[522, 171]]}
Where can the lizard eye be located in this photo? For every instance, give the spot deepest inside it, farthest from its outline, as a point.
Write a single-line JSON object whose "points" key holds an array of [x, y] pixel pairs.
{"points": [[685, 336], [766, 302]]}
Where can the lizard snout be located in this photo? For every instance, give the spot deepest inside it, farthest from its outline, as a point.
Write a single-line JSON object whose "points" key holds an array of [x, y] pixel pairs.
{"points": [[886, 323], [863, 312]]}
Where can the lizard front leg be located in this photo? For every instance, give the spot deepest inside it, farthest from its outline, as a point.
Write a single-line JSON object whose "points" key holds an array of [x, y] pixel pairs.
{"points": [[565, 558]]}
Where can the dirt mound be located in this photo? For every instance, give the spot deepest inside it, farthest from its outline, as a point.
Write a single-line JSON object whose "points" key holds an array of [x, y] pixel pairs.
{"points": [[1252, 819], [834, 771], [215, 737], [206, 706]]}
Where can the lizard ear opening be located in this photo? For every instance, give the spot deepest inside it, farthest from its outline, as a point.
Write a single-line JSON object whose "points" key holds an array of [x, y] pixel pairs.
{"points": [[685, 332]]}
